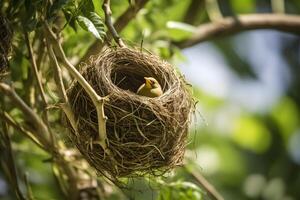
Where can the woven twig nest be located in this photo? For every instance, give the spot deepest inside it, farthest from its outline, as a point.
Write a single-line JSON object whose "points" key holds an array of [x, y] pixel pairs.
{"points": [[144, 135]]}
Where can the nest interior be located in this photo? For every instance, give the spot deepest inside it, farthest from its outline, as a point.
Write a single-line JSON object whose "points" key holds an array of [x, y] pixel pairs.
{"points": [[144, 135]]}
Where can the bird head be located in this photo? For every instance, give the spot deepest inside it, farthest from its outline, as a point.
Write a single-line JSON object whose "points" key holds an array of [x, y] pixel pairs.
{"points": [[151, 82]]}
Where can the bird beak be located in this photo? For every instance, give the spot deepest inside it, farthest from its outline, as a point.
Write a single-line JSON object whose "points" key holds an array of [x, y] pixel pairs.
{"points": [[147, 82]]}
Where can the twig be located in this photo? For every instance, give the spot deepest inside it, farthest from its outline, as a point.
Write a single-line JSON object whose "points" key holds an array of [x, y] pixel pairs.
{"points": [[97, 100], [213, 10], [40, 86], [209, 188], [42, 132], [8, 119], [35, 69], [58, 75], [61, 88], [110, 26], [231, 25], [121, 22]]}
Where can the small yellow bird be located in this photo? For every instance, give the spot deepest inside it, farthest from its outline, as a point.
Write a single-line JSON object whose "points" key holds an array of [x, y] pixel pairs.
{"points": [[151, 88]]}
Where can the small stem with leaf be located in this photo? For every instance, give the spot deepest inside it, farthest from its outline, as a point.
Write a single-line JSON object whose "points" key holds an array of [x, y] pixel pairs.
{"points": [[120, 23]]}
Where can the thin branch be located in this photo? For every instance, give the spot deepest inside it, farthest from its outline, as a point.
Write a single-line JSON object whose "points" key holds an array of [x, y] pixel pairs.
{"points": [[209, 188], [57, 74], [40, 86], [8, 119], [42, 132], [35, 69], [61, 88], [121, 22], [278, 6], [231, 25], [110, 26], [97, 100]]}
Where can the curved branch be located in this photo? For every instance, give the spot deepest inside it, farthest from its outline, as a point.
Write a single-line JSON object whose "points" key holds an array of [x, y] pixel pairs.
{"points": [[231, 25]]}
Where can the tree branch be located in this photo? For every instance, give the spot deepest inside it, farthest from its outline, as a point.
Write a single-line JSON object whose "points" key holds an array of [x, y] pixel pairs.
{"points": [[61, 88], [231, 25], [121, 22], [110, 26], [97, 100], [57, 74], [42, 132]]}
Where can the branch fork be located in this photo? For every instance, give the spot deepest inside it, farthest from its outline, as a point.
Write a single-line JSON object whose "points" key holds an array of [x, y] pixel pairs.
{"points": [[97, 100]]}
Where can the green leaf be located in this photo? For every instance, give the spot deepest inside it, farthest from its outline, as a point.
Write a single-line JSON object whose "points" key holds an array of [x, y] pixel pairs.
{"points": [[98, 23], [71, 20], [179, 31], [92, 24]]}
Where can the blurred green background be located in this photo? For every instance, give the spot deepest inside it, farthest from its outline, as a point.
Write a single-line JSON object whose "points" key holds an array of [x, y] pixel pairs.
{"points": [[245, 136]]}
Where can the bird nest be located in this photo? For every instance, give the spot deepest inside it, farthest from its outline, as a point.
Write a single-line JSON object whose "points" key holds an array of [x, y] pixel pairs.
{"points": [[144, 135]]}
